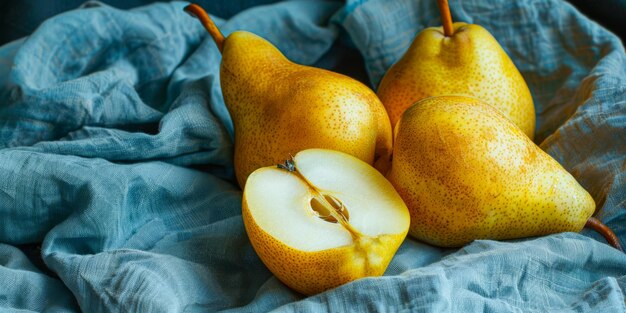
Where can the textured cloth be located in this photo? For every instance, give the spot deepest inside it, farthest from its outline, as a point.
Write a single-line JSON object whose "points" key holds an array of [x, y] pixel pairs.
{"points": [[116, 182]]}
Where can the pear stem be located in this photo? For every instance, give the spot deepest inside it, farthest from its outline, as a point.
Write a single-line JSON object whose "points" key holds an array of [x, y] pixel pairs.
{"points": [[605, 231], [199, 13], [446, 18]]}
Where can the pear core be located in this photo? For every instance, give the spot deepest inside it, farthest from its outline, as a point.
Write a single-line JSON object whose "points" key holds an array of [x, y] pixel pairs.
{"points": [[324, 211]]}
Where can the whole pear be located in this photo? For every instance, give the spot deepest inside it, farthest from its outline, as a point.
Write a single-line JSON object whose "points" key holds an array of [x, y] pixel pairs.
{"points": [[460, 59], [279, 107], [466, 172]]}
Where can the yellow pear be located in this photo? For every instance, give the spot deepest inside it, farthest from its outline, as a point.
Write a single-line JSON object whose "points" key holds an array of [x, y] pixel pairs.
{"points": [[466, 172], [279, 107], [323, 219], [461, 59]]}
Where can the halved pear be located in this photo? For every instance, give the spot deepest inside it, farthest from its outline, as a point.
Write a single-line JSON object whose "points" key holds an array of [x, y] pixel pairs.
{"points": [[323, 219]]}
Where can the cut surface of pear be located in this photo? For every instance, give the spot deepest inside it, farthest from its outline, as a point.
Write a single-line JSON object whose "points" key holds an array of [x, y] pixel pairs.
{"points": [[332, 219], [466, 172], [468, 62]]}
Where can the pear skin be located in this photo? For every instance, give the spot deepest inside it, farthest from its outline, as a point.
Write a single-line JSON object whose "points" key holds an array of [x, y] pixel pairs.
{"points": [[467, 172], [279, 108], [469, 62]]}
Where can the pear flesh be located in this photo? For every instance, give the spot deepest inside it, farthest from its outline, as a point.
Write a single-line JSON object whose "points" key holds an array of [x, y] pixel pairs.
{"points": [[329, 220], [466, 172], [279, 107], [470, 62]]}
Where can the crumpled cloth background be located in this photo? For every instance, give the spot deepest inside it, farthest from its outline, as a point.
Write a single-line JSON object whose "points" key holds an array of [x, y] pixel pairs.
{"points": [[116, 182]]}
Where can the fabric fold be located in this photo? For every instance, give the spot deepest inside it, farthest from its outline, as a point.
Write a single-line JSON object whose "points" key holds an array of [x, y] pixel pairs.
{"points": [[116, 171]]}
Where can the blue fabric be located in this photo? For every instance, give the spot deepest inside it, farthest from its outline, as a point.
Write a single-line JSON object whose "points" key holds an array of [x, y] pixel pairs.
{"points": [[116, 156]]}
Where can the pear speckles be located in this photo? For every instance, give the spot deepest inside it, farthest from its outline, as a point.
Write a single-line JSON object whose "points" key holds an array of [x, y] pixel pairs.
{"points": [[466, 172]]}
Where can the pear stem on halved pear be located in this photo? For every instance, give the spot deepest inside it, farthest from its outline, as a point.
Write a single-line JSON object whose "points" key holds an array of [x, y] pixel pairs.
{"points": [[337, 212], [199, 13], [446, 17], [605, 231]]}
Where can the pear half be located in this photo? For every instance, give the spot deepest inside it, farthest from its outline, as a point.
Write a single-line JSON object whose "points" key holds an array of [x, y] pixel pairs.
{"points": [[323, 219]]}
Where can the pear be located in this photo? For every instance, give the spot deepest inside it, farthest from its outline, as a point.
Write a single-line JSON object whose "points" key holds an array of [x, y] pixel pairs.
{"points": [[460, 59], [279, 107], [323, 219], [466, 172]]}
